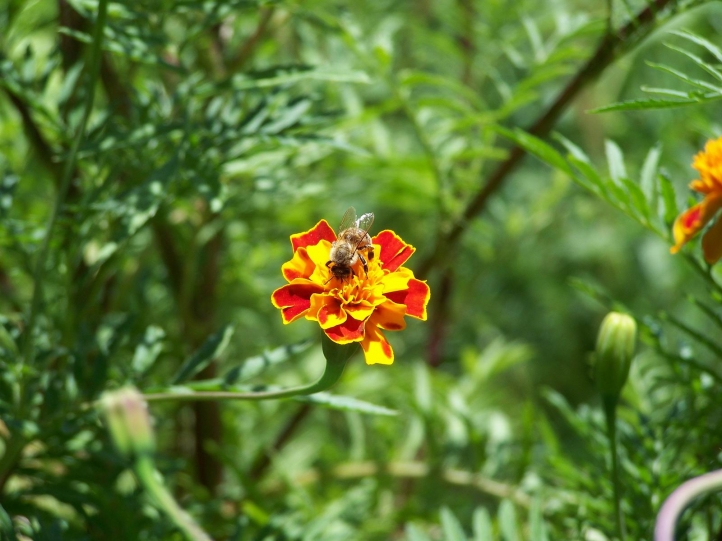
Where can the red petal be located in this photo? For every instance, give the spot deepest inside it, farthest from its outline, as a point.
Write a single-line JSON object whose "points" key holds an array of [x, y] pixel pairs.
{"points": [[351, 330], [294, 299], [320, 231], [394, 251], [416, 297]]}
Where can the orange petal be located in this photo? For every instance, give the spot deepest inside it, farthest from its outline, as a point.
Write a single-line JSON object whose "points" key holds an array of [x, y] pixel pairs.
{"points": [[691, 221], [320, 231], [712, 243], [416, 298], [390, 316], [294, 299], [300, 266], [376, 349], [351, 330], [327, 310], [393, 252], [361, 310]]}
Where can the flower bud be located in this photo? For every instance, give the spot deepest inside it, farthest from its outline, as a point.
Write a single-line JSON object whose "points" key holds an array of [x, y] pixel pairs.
{"points": [[615, 349], [126, 415]]}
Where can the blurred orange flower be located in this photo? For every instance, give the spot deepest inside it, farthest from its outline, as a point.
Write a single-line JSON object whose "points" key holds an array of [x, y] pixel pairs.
{"points": [[691, 221], [359, 308]]}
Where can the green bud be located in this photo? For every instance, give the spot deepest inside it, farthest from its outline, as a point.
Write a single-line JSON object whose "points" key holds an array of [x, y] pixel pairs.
{"points": [[126, 415], [615, 348]]}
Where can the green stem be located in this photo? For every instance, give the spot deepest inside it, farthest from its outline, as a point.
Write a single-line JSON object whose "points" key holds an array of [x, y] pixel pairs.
{"points": [[152, 482], [610, 411], [336, 359], [40, 264]]}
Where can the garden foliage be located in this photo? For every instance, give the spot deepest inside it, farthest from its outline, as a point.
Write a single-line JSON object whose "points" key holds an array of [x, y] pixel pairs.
{"points": [[155, 158]]}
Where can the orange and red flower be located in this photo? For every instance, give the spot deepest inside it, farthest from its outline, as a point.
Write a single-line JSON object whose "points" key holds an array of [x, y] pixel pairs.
{"points": [[690, 222], [357, 309]]}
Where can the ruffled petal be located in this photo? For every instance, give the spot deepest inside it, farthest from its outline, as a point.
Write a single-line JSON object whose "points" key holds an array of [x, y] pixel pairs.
{"points": [[690, 222], [294, 299], [326, 310], [376, 348], [393, 252], [319, 254], [416, 298], [712, 243], [320, 231], [300, 266], [389, 316], [351, 330], [397, 280], [363, 309]]}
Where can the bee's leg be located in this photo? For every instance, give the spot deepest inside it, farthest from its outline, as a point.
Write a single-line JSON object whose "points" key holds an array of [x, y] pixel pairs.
{"points": [[328, 263], [363, 262]]}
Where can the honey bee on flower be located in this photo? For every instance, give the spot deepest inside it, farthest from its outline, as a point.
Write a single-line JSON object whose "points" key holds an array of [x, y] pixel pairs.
{"points": [[352, 284]]}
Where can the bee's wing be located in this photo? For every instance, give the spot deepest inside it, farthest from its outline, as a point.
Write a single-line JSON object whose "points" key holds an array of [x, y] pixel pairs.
{"points": [[365, 221], [348, 220]]}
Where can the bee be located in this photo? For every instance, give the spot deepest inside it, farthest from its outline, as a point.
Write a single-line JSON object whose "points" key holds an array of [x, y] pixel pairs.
{"points": [[352, 243]]}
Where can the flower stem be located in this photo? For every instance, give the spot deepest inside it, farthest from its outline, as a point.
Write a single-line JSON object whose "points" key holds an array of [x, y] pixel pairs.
{"points": [[610, 411], [679, 499], [336, 359], [152, 482]]}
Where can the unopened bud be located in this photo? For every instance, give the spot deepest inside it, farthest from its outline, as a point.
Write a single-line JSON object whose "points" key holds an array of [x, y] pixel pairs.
{"points": [[615, 348], [126, 414]]}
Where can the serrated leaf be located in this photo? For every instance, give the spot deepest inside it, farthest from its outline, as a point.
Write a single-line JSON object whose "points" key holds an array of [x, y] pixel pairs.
{"points": [[537, 147], [281, 76], [669, 199], [451, 526], [637, 105], [482, 525], [615, 160], [698, 83], [648, 177], [711, 47], [507, 521], [211, 349], [346, 403]]}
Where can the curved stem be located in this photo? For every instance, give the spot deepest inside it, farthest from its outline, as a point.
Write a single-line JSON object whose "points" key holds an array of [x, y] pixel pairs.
{"points": [[676, 503], [336, 359], [153, 484]]}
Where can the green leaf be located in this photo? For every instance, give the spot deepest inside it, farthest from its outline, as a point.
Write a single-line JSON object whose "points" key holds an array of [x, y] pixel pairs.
{"points": [[254, 366], [211, 349], [648, 177], [615, 160], [345, 403], [642, 104], [537, 528], [684, 77], [451, 526], [482, 525], [414, 533], [668, 198], [294, 74], [537, 147], [694, 38], [507, 521], [148, 350]]}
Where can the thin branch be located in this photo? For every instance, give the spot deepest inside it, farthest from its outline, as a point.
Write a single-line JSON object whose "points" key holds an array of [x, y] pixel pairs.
{"points": [[611, 46]]}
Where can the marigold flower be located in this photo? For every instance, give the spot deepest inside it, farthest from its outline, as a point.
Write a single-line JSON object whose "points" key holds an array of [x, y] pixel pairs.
{"points": [[357, 309], [691, 221]]}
